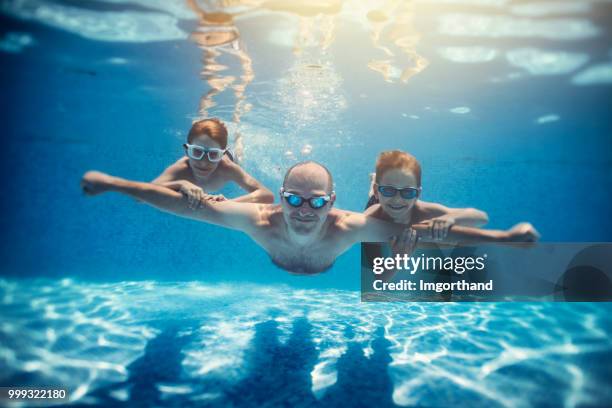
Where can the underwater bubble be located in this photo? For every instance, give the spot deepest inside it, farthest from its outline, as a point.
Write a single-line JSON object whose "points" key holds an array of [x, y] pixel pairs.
{"points": [[547, 119], [14, 43], [461, 110], [307, 149], [117, 61]]}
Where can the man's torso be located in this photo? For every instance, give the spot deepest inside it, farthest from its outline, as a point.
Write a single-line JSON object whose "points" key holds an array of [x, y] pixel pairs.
{"points": [[311, 258]]}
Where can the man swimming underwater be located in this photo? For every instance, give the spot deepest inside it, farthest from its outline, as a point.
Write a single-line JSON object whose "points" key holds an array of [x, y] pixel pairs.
{"points": [[304, 233]]}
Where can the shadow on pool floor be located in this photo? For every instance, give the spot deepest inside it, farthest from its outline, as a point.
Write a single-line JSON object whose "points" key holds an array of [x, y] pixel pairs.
{"points": [[279, 374]]}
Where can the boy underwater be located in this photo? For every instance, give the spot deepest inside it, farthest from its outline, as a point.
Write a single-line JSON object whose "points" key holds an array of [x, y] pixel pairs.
{"points": [[208, 165]]}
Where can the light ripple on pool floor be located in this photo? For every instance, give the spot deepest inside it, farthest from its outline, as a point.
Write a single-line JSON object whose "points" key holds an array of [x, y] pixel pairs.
{"points": [[85, 336]]}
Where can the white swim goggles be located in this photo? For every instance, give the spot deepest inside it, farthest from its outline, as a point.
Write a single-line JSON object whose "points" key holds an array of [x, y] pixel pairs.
{"points": [[196, 152]]}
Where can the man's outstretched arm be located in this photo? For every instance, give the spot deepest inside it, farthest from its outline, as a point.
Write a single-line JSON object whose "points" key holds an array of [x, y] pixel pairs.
{"points": [[239, 216]]}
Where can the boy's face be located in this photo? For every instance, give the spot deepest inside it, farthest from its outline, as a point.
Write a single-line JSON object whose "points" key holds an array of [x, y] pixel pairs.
{"points": [[203, 168], [397, 207]]}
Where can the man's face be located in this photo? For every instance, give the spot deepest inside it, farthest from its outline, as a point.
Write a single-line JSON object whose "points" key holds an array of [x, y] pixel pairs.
{"points": [[397, 207], [203, 168], [307, 181]]}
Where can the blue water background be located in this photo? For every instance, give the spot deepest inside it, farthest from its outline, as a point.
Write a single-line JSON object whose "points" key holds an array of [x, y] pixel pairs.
{"points": [[89, 286], [66, 111]]}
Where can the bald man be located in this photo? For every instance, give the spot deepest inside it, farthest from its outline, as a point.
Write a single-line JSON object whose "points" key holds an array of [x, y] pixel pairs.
{"points": [[304, 233]]}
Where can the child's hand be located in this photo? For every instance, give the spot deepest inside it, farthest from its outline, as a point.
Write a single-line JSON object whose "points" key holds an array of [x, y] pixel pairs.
{"points": [[404, 243], [95, 182], [193, 193], [439, 227], [523, 232]]}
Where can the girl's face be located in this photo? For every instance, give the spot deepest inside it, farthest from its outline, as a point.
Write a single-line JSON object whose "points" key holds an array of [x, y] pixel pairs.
{"points": [[204, 167], [397, 207]]}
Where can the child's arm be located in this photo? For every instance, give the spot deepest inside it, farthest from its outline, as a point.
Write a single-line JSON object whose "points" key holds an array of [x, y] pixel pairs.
{"points": [[362, 228], [521, 232], [468, 217], [257, 193], [175, 178], [440, 218]]}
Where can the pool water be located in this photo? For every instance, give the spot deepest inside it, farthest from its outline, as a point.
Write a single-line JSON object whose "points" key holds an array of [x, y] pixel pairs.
{"points": [[505, 103], [149, 343]]}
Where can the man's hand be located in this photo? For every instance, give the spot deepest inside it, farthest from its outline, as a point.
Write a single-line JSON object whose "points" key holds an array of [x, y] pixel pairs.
{"points": [[523, 232], [439, 227], [404, 243], [95, 182]]}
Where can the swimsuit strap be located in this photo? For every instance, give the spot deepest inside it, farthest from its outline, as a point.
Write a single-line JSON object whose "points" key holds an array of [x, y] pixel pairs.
{"points": [[371, 201], [230, 154]]}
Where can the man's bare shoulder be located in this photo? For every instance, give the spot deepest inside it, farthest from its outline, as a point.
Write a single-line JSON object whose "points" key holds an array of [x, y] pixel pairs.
{"points": [[350, 227], [345, 220], [251, 218], [268, 215], [269, 223]]}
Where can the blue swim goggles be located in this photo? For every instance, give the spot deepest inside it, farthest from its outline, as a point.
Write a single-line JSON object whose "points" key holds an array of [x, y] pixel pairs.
{"points": [[407, 193], [296, 201]]}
